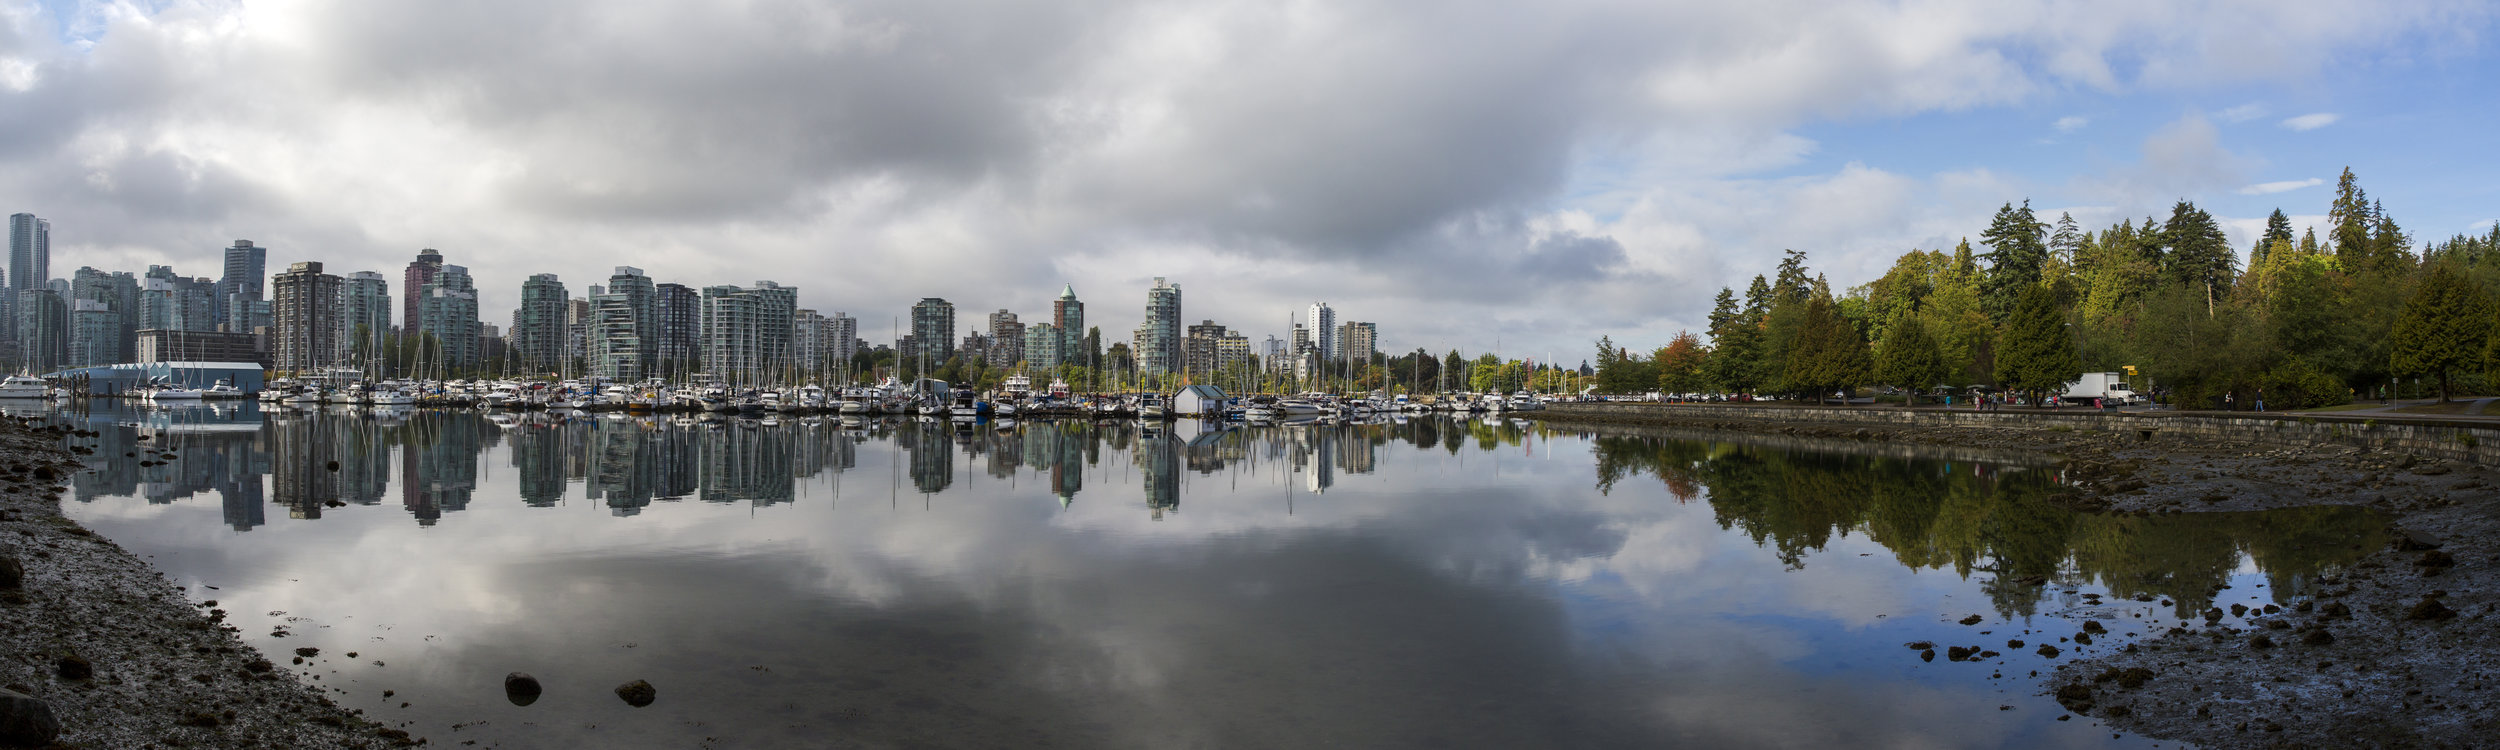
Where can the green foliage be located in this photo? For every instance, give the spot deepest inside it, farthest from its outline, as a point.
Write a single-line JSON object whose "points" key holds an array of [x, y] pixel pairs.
{"points": [[1909, 359], [1623, 371], [2198, 253], [2442, 329], [2036, 353], [1827, 353], [2016, 254]]}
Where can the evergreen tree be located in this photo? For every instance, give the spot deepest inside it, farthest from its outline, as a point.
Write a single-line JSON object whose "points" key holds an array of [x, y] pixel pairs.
{"points": [[2278, 231], [1757, 299], [2444, 327], [2200, 254], [2066, 244], [1734, 362], [1908, 357], [1722, 313], [1792, 285], [1827, 353], [2015, 256], [2036, 353]]}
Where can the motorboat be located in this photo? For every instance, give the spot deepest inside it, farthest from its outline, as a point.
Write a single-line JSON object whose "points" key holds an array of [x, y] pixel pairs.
{"points": [[1150, 406], [21, 386]]}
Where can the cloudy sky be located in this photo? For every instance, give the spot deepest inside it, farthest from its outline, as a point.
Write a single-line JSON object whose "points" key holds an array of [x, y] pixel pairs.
{"points": [[1463, 173]]}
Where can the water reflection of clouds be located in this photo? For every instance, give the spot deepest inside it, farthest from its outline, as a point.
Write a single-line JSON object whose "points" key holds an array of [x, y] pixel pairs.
{"points": [[1412, 600]]}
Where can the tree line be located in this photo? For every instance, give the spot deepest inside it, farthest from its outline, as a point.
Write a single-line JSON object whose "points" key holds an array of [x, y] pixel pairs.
{"points": [[2306, 321]]}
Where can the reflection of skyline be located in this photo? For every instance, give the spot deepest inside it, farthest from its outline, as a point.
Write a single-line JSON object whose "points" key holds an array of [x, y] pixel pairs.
{"points": [[313, 460]]}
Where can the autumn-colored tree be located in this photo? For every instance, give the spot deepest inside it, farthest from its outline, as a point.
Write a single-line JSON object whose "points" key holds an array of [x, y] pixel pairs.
{"points": [[1680, 363]]}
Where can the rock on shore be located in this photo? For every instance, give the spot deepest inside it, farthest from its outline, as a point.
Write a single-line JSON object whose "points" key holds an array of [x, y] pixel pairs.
{"points": [[116, 654]]}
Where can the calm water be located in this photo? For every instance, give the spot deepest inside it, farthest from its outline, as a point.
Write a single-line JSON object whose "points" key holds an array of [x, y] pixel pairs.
{"points": [[1412, 583]]}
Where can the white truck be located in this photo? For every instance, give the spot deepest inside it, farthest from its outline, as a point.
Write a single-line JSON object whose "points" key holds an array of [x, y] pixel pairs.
{"points": [[2107, 386]]}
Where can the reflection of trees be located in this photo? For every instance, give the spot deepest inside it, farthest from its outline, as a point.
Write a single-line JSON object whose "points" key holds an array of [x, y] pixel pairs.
{"points": [[1973, 518]]}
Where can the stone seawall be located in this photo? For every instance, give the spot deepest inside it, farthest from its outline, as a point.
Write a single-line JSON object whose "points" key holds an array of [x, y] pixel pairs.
{"points": [[2464, 441]]}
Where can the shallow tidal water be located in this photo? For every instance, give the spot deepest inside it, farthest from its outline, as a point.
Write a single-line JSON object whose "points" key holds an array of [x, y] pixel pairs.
{"points": [[1402, 583]]}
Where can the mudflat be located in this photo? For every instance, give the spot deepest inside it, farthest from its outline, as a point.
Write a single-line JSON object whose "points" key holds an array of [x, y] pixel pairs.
{"points": [[119, 655], [2395, 650]]}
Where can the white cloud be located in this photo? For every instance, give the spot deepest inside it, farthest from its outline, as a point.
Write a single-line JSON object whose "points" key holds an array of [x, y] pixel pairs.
{"points": [[2309, 122], [2183, 159], [2270, 188], [2242, 113], [2071, 123]]}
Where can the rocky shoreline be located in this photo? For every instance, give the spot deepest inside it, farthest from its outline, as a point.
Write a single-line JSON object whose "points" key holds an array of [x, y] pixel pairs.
{"points": [[114, 653], [2396, 650]]}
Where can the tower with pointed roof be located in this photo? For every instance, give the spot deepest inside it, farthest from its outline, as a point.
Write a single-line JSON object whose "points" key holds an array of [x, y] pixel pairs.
{"points": [[1068, 316]]}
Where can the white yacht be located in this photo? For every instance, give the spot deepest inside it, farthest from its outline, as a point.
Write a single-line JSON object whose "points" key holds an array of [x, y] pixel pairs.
{"points": [[21, 386]]}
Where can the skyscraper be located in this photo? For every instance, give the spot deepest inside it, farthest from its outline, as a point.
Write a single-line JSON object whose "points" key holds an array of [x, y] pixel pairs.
{"points": [[1159, 350], [933, 332], [1041, 345], [240, 293], [304, 323], [1068, 315], [538, 330], [1357, 341], [1321, 322], [364, 314], [842, 337], [746, 332], [680, 344], [98, 324], [412, 286], [30, 252], [42, 330], [1199, 350], [626, 326], [447, 312]]}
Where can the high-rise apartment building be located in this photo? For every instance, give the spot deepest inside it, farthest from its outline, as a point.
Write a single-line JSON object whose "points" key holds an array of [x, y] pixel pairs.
{"points": [[1041, 346], [1068, 315], [30, 265], [1321, 323], [447, 312], [103, 317], [364, 314], [626, 327], [1357, 341], [412, 281], [1006, 339], [808, 330], [932, 332], [577, 330], [1232, 349], [746, 332], [680, 344], [94, 334], [304, 324], [242, 302], [1159, 348], [842, 337], [1199, 350], [539, 332], [42, 330]]}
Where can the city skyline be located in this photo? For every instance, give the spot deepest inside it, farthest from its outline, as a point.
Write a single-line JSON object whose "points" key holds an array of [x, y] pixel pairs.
{"points": [[1533, 175]]}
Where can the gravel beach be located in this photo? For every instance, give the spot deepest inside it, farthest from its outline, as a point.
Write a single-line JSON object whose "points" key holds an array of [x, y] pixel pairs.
{"points": [[121, 657], [2396, 650]]}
